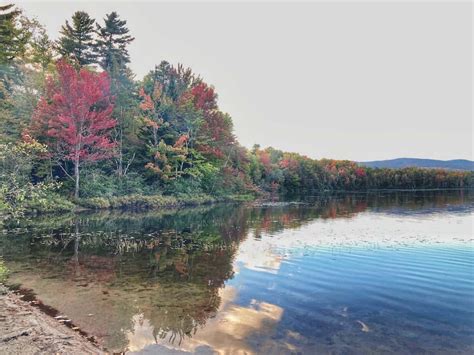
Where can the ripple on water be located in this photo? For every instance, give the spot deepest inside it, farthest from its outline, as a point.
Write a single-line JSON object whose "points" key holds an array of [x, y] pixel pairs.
{"points": [[392, 274]]}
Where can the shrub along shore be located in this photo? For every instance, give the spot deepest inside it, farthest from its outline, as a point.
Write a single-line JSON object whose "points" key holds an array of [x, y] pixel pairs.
{"points": [[56, 203], [143, 202]]}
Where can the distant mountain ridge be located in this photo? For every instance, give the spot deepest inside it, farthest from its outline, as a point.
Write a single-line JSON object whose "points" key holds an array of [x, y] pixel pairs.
{"points": [[456, 164]]}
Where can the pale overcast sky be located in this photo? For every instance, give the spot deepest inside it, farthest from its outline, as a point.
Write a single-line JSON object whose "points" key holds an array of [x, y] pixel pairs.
{"points": [[345, 80]]}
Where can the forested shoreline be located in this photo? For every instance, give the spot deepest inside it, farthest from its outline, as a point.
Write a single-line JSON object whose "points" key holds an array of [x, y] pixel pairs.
{"points": [[78, 128]]}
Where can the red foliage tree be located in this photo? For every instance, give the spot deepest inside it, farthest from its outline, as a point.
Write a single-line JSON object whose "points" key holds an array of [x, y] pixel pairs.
{"points": [[216, 134], [204, 97], [265, 160], [287, 162], [147, 103], [360, 172], [181, 141], [75, 115]]}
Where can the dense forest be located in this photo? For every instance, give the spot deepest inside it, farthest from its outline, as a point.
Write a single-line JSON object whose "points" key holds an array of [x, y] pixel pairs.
{"points": [[78, 128]]}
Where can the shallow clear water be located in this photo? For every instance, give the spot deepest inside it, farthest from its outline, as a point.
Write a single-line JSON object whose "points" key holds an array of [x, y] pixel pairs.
{"points": [[362, 273]]}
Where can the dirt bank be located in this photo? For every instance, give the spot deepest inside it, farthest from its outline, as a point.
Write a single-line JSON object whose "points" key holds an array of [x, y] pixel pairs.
{"points": [[25, 329]]}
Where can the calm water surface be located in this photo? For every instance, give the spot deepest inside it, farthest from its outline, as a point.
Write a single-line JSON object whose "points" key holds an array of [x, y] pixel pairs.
{"points": [[347, 274]]}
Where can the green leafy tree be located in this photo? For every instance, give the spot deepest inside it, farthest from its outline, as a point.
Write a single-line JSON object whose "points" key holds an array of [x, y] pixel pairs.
{"points": [[17, 193], [124, 89], [32, 68]]}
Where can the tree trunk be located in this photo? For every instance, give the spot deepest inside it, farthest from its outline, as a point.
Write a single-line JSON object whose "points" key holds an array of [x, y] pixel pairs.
{"points": [[76, 247], [76, 178], [155, 136], [120, 159]]}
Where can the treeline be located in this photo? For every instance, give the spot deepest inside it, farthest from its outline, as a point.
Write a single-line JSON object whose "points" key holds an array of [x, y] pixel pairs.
{"points": [[290, 172], [76, 122]]}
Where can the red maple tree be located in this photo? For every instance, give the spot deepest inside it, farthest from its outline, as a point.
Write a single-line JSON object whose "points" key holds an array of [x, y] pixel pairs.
{"points": [[75, 115], [204, 97]]}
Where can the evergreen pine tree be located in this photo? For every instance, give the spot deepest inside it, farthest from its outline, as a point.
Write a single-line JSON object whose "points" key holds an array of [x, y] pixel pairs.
{"points": [[13, 40], [77, 40], [12, 37], [112, 43], [42, 50], [111, 47]]}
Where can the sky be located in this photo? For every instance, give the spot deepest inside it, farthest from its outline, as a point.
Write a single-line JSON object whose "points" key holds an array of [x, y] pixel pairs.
{"points": [[343, 80]]}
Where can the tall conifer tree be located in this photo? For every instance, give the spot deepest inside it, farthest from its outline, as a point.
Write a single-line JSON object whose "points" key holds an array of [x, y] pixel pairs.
{"points": [[12, 38], [77, 39], [112, 42], [111, 46], [13, 41]]}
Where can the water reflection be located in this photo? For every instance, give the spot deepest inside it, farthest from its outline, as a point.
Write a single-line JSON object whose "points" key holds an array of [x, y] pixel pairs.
{"points": [[306, 276]]}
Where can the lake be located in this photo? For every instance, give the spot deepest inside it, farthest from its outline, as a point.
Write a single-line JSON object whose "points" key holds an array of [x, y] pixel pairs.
{"points": [[344, 274]]}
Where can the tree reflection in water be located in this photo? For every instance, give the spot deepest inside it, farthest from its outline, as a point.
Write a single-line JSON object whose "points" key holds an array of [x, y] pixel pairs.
{"points": [[118, 273]]}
